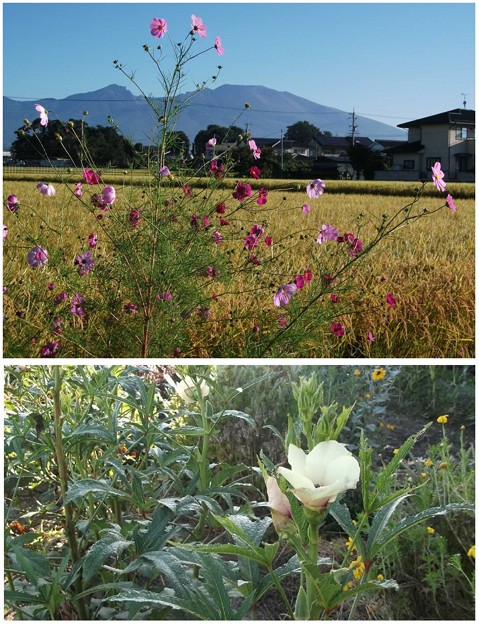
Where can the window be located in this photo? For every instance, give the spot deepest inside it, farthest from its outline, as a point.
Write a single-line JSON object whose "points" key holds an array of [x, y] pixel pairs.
{"points": [[408, 164], [430, 162], [464, 133]]}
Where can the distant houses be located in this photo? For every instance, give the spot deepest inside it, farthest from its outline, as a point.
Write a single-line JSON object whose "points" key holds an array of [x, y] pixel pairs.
{"points": [[448, 138]]}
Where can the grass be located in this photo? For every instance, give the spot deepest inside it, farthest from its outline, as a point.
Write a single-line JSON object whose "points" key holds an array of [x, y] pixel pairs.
{"points": [[428, 266]]}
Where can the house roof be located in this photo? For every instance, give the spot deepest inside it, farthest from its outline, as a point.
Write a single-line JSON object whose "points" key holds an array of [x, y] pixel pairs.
{"points": [[460, 116], [406, 148], [344, 142]]}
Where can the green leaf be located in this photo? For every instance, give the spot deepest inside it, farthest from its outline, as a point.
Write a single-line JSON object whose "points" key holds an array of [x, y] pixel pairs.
{"points": [[384, 477], [169, 566], [327, 590], [364, 587], [16, 597], [342, 516], [380, 521], [99, 552], [235, 414], [97, 431], [411, 521], [254, 553], [80, 489], [248, 531], [292, 566]]}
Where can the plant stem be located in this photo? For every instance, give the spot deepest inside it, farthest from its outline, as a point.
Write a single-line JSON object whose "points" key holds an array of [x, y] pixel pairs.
{"points": [[63, 474], [313, 527]]}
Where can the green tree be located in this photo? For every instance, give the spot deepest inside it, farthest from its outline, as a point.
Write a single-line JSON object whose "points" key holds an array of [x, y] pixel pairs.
{"points": [[302, 132], [365, 161], [220, 133]]}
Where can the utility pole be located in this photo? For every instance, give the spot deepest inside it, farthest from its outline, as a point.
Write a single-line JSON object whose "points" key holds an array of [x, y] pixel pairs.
{"points": [[353, 126], [281, 151]]}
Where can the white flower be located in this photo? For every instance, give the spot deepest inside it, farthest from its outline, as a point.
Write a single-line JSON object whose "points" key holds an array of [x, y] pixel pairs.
{"points": [[186, 389], [319, 477]]}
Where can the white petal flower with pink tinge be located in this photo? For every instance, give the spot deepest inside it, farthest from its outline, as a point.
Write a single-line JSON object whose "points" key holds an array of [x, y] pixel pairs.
{"points": [[318, 478]]}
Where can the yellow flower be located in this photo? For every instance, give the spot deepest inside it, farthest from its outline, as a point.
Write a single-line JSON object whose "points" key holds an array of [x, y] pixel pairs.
{"points": [[428, 462], [349, 585], [442, 420], [396, 451], [443, 466], [378, 374], [357, 372], [390, 427], [424, 475], [380, 577], [381, 424], [430, 530], [472, 552], [360, 399], [367, 395], [349, 544], [358, 567]]}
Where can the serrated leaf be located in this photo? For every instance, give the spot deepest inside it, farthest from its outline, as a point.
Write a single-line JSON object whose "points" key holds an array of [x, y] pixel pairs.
{"points": [[99, 552], [97, 431], [80, 489], [248, 552], [249, 531], [380, 521]]}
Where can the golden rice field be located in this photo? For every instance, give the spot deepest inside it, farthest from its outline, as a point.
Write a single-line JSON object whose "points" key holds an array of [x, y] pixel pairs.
{"points": [[427, 265]]}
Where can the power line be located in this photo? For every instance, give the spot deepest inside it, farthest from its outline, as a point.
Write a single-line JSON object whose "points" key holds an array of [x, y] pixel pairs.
{"points": [[233, 108]]}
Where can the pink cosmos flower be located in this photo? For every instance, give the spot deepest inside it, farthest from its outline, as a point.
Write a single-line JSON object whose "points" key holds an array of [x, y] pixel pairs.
{"points": [[224, 221], [197, 26], [37, 257], [164, 171], [334, 298], [63, 296], [257, 230], [43, 115], [308, 276], [450, 203], [92, 240], [203, 313], [50, 349], [187, 190], [90, 176], [306, 208], [211, 142], [337, 329], [268, 241], [166, 296], [242, 191], [284, 294], [217, 237], [315, 188], [256, 150], [220, 208], [255, 172], [85, 263], [130, 308], [158, 27], [51, 286], [437, 177], [78, 190], [262, 197], [12, 203], [371, 336], [282, 321], [299, 281], [77, 308], [327, 232], [57, 326], [46, 189], [109, 194], [250, 242], [218, 46], [390, 299], [135, 217]]}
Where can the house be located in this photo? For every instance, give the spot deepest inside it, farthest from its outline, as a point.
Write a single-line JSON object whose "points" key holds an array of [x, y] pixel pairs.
{"points": [[331, 147], [448, 138]]}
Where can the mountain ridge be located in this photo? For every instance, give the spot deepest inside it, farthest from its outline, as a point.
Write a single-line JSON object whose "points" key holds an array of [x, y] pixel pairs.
{"points": [[269, 114]]}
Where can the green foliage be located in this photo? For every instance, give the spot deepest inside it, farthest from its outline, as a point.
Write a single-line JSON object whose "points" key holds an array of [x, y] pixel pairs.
{"points": [[160, 529]]}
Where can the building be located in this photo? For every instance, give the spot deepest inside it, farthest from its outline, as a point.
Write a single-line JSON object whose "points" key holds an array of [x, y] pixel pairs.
{"points": [[448, 138]]}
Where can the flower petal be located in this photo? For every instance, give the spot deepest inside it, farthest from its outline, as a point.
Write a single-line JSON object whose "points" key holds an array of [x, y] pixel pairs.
{"points": [[296, 480], [296, 459], [343, 471], [320, 458]]}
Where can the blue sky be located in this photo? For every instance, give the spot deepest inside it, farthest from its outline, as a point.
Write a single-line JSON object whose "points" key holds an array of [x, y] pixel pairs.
{"points": [[390, 61]]}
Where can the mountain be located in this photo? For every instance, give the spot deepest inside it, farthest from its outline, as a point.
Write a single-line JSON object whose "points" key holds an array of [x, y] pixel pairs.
{"points": [[270, 112]]}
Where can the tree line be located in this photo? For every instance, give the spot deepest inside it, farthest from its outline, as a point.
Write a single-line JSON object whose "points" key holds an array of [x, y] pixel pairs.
{"points": [[107, 147]]}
